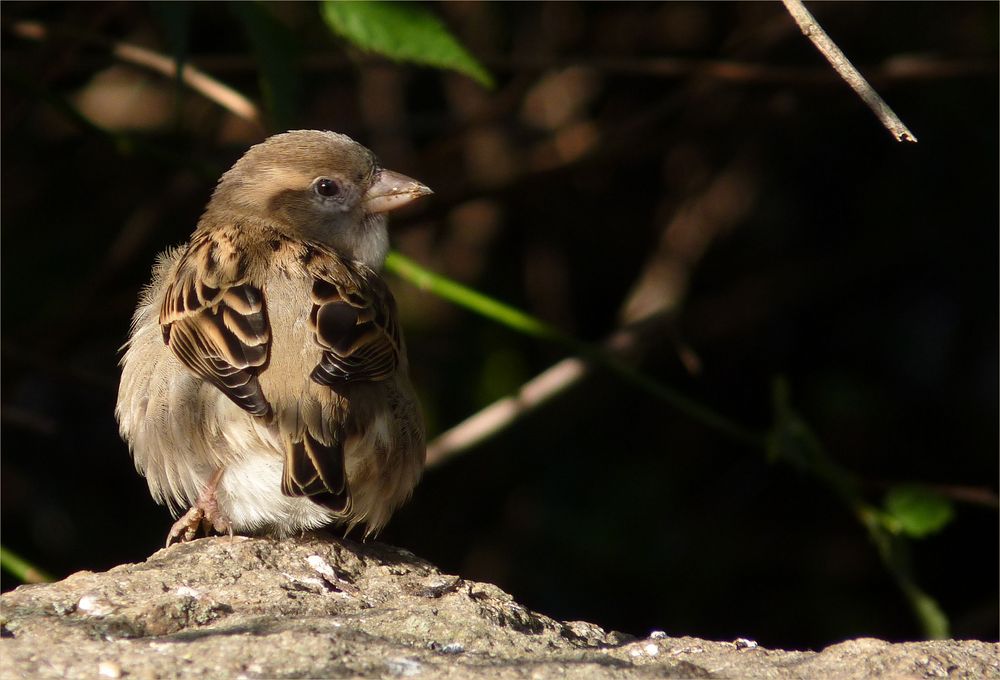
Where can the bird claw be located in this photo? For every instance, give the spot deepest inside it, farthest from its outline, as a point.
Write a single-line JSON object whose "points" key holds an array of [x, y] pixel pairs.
{"points": [[186, 528], [204, 514]]}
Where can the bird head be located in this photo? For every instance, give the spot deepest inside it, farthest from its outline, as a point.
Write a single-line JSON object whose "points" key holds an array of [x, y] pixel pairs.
{"points": [[319, 186]]}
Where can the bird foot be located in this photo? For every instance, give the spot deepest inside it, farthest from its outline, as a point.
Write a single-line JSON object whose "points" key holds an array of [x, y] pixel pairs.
{"points": [[204, 514]]}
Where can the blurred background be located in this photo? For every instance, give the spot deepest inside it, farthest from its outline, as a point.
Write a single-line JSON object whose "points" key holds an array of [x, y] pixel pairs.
{"points": [[693, 173]]}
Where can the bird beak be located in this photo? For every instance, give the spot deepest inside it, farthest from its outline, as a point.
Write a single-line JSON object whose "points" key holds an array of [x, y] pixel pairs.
{"points": [[392, 190]]}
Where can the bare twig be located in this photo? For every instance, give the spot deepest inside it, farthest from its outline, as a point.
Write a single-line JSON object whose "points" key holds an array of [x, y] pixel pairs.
{"points": [[646, 313], [981, 496], [973, 495], [896, 69], [623, 345], [812, 30], [197, 80], [200, 82], [500, 414], [562, 376]]}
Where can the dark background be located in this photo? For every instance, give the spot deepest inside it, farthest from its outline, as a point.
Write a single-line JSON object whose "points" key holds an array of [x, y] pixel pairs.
{"points": [[765, 211]]}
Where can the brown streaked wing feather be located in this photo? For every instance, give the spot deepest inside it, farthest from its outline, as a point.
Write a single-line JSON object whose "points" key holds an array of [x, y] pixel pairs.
{"points": [[316, 470], [219, 330], [356, 329]]}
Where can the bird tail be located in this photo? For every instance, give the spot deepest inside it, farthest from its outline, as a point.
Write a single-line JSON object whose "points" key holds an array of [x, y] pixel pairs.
{"points": [[316, 470]]}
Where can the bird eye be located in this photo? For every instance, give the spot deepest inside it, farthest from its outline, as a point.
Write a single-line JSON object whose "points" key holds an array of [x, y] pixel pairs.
{"points": [[327, 187]]}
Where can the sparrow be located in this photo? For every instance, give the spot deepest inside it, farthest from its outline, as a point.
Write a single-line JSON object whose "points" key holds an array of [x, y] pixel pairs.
{"points": [[264, 384]]}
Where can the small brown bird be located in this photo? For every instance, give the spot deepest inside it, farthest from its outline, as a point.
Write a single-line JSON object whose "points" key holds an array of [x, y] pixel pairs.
{"points": [[264, 385]]}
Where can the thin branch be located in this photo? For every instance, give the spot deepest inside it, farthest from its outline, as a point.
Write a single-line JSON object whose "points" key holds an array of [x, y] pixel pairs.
{"points": [[812, 30], [500, 414], [981, 496], [646, 314], [896, 69], [555, 379], [973, 495], [197, 80]]}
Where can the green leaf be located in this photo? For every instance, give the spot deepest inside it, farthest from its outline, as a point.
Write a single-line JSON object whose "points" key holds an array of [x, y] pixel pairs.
{"points": [[402, 31], [916, 510]]}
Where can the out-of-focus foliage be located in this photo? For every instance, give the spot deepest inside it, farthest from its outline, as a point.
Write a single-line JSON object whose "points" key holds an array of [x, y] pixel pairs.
{"points": [[916, 510]]}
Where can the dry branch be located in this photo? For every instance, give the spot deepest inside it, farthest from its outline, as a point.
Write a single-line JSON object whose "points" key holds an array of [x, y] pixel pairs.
{"points": [[197, 80], [812, 30]]}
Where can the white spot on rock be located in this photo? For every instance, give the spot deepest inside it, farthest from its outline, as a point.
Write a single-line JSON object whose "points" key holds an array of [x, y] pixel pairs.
{"points": [[109, 669], [322, 566], [94, 605], [404, 667], [185, 591]]}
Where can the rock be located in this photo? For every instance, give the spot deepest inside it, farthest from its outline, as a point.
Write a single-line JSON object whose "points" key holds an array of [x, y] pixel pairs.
{"points": [[319, 607]]}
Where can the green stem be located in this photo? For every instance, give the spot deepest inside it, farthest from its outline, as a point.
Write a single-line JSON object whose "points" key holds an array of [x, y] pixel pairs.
{"points": [[464, 296], [21, 569], [810, 452], [891, 548], [892, 551], [514, 318]]}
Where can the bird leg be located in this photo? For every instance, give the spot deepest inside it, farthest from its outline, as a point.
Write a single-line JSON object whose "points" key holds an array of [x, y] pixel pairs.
{"points": [[204, 514]]}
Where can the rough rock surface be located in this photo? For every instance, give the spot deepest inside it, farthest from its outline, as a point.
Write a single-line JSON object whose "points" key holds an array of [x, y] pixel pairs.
{"points": [[318, 607]]}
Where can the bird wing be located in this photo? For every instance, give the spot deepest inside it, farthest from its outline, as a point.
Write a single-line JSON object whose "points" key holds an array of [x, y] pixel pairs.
{"points": [[215, 321], [354, 321]]}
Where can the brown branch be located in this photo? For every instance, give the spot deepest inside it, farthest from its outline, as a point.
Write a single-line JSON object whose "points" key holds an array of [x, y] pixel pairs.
{"points": [[562, 376], [197, 80], [647, 312], [894, 69], [812, 30], [500, 414], [973, 495], [981, 496]]}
